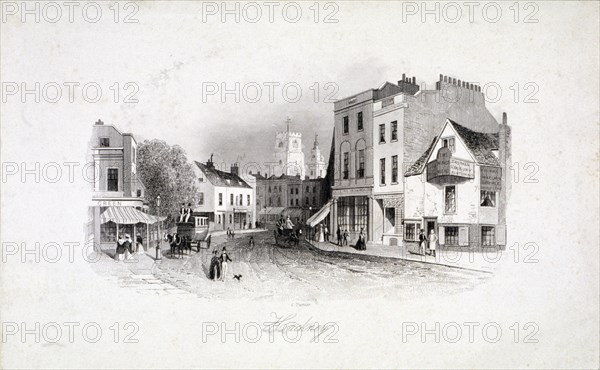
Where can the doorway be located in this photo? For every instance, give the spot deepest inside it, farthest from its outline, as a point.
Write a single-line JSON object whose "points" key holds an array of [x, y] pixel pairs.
{"points": [[430, 224]]}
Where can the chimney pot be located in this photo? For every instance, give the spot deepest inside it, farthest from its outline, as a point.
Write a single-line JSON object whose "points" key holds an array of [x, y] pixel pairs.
{"points": [[414, 80], [504, 118], [404, 77], [441, 77]]}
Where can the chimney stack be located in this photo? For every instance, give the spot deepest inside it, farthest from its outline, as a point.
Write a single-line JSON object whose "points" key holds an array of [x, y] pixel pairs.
{"points": [[414, 80], [235, 169], [404, 77]]}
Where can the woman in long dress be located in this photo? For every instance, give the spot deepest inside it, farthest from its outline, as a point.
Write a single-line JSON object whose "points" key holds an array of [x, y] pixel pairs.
{"points": [[215, 267], [432, 242], [120, 250], [321, 237]]}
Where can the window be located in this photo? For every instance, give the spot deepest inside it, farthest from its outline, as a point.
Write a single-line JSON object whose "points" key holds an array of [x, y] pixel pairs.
{"points": [[449, 143], [307, 189], [306, 200], [201, 221], [359, 121], [291, 190], [113, 179], [230, 218], [270, 202], [241, 199], [201, 199], [296, 191], [488, 198], [394, 169], [314, 200], [394, 131], [410, 231], [280, 144], [346, 125], [220, 199], [352, 213], [360, 173], [230, 199], [450, 199], [382, 171], [488, 235], [248, 196], [296, 201], [312, 173], [279, 187], [291, 202], [382, 133], [269, 188], [104, 142], [279, 202], [451, 235], [346, 166], [314, 189], [108, 232], [139, 193], [200, 179]]}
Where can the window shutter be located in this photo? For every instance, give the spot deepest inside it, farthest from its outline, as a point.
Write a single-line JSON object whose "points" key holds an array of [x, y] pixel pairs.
{"points": [[501, 234], [463, 236], [442, 236]]}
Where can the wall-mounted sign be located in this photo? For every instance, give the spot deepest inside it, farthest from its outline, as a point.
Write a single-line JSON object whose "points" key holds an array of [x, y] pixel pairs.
{"points": [[491, 178], [446, 165]]}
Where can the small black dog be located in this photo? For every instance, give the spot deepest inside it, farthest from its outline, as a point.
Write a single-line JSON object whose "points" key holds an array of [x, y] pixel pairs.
{"points": [[238, 277]]}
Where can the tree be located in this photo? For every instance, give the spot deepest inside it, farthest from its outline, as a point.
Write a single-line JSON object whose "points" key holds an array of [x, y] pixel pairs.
{"points": [[165, 171]]}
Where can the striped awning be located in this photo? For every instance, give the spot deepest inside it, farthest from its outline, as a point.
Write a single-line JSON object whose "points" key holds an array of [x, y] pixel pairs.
{"points": [[320, 215], [127, 216]]}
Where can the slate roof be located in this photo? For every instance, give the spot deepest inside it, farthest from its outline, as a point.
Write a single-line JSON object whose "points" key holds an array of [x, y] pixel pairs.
{"points": [[479, 144], [219, 178]]}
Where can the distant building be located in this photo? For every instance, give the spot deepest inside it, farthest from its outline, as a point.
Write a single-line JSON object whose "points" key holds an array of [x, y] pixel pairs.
{"points": [[317, 167], [118, 200], [458, 188], [225, 199], [288, 154]]}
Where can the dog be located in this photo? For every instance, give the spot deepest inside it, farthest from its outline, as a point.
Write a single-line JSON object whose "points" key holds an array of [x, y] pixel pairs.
{"points": [[238, 277]]}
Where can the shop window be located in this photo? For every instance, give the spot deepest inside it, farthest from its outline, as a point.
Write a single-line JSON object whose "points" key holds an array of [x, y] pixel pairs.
{"points": [[359, 121], [112, 179], [451, 235], [201, 221], [488, 235], [394, 131], [450, 199], [394, 169], [488, 198], [346, 125], [411, 231], [108, 232], [104, 142], [382, 133], [346, 166], [352, 213], [382, 171]]}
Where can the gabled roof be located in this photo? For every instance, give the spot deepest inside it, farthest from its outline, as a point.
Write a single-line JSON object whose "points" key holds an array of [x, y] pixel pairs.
{"points": [[220, 178], [478, 143]]}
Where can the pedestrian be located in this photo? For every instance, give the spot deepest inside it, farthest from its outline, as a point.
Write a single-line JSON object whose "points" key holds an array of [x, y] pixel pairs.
{"points": [[422, 242], [360, 244], [228, 233], [251, 242], [215, 267], [338, 232], [326, 233], [129, 246], [139, 243], [345, 241], [433, 239], [120, 250], [224, 259]]}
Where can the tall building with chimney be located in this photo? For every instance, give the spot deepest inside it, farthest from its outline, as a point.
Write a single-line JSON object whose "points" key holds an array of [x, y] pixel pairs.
{"points": [[289, 157], [317, 167]]}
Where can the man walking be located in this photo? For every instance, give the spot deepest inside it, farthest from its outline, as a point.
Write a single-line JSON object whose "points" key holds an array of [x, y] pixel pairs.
{"points": [[339, 236]]}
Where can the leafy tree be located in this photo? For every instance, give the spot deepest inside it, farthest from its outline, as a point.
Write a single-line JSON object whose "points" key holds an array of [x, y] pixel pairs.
{"points": [[165, 171]]}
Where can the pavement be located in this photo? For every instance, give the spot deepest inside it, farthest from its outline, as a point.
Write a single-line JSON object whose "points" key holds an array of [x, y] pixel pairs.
{"points": [[465, 260]]}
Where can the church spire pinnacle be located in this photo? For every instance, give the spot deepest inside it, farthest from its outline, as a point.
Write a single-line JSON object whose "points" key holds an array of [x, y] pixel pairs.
{"points": [[316, 141]]}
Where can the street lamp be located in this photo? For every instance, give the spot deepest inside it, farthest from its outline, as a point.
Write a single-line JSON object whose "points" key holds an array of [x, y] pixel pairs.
{"points": [[159, 237]]}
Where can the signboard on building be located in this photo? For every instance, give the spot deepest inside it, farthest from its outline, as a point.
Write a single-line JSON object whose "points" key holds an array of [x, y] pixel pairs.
{"points": [[491, 178], [446, 165]]}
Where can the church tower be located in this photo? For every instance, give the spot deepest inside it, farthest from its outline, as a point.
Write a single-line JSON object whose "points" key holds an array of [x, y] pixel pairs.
{"points": [[289, 158], [317, 167]]}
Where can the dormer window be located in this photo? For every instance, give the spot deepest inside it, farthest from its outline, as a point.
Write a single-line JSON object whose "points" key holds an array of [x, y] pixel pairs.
{"points": [[449, 143], [104, 142]]}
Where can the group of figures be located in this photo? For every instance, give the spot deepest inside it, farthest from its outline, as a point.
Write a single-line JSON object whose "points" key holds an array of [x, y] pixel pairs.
{"points": [[218, 265], [185, 212], [423, 241], [286, 228], [342, 238], [124, 248]]}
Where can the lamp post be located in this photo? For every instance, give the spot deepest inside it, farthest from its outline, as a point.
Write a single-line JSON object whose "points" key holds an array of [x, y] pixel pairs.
{"points": [[158, 254]]}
